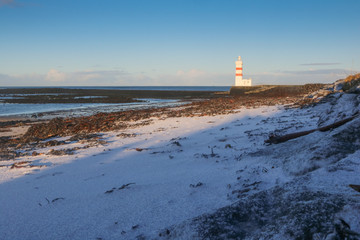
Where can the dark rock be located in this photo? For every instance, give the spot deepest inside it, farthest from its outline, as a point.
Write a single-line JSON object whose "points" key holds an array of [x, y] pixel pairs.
{"points": [[61, 152], [293, 213], [199, 184]]}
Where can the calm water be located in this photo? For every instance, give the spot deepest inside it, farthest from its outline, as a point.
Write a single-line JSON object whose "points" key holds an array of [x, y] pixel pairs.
{"points": [[161, 88], [76, 109], [79, 109]]}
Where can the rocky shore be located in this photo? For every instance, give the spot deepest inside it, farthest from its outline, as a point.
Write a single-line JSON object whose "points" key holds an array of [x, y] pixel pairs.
{"points": [[32, 132]]}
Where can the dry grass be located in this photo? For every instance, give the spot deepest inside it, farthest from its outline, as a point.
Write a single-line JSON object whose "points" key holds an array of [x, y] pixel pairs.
{"points": [[351, 81], [352, 77]]}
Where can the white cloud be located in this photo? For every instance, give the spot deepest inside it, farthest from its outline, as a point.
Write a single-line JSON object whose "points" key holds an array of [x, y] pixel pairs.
{"points": [[300, 77], [87, 78], [22, 80], [319, 64], [84, 77], [192, 77], [55, 76], [193, 73], [332, 71], [196, 77]]}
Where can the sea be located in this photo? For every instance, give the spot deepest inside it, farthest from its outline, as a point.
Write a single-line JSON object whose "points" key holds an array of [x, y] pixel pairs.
{"points": [[83, 109]]}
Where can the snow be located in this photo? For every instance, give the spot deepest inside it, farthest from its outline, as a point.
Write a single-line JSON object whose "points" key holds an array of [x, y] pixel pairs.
{"points": [[171, 173]]}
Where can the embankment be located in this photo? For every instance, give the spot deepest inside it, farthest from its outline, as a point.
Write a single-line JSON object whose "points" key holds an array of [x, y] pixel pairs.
{"points": [[275, 90]]}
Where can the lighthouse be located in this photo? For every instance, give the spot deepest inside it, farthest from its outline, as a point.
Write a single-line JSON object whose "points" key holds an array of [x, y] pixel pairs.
{"points": [[239, 81]]}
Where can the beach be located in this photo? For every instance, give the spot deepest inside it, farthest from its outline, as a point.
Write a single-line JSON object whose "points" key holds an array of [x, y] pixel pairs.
{"points": [[195, 171], [23, 107], [124, 182], [179, 120], [28, 106]]}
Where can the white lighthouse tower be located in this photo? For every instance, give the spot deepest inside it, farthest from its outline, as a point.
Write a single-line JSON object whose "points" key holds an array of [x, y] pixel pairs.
{"points": [[239, 81]]}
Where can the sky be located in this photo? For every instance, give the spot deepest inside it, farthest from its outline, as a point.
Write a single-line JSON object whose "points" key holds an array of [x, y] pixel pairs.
{"points": [[177, 42]]}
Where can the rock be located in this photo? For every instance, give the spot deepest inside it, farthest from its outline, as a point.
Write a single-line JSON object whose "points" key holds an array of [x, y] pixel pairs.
{"points": [[79, 137], [21, 164], [355, 187], [61, 152], [126, 135], [355, 89], [199, 184], [338, 86], [6, 154], [303, 214]]}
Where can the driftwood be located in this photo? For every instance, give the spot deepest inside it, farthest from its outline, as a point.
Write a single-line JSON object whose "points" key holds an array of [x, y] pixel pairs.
{"points": [[273, 139]]}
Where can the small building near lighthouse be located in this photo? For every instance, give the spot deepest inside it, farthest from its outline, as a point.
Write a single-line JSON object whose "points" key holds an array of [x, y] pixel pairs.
{"points": [[239, 80]]}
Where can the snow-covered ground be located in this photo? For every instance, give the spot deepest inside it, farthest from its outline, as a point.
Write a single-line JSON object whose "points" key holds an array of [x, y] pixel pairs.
{"points": [[187, 178]]}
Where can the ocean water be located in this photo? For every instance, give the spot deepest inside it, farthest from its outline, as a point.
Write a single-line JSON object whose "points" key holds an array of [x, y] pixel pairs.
{"points": [[160, 88], [81, 109], [164, 88]]}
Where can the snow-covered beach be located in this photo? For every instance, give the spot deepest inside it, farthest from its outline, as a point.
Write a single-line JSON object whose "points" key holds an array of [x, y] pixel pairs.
{"points": [[200, 177], [175, 178]]}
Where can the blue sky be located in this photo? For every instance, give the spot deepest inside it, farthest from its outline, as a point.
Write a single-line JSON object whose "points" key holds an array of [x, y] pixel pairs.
{"points": [[176, 42]]}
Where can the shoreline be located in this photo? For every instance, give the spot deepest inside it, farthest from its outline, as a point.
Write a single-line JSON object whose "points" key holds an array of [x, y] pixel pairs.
{"points": [[18, 132], [102, 121], [20, 138], [68, 95], [87, 110], [58, 95]]}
